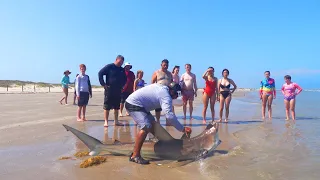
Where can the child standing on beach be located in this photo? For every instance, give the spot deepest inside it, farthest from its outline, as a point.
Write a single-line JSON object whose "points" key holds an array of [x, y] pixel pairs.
{"points": [[139, 82], [289, 91], [83, 91]]}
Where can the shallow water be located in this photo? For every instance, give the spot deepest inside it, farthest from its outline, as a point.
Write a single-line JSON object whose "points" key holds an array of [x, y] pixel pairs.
{"points": [[250, 148], [280, 149]]}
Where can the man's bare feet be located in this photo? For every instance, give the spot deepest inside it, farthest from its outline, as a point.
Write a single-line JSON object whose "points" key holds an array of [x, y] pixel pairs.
{"points": [[60, 102], [204, 121], [220, 120], [120, 115], [226, 120], [79, 119], [263, 118], [84, 119]]}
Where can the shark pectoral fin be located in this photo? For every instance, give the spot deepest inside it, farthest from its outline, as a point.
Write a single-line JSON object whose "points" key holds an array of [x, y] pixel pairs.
{"points": [[160, 133], [92, 143]]}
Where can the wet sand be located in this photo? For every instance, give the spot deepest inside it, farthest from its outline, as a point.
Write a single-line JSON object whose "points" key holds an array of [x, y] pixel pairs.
{"points": [[32, 139]]}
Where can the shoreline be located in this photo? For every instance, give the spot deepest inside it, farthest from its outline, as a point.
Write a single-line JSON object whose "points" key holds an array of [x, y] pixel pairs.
{"points": [[38, 135]]}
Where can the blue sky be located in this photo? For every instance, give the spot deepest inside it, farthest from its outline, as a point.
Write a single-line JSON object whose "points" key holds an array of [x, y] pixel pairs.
{"points": [[40, 39]]}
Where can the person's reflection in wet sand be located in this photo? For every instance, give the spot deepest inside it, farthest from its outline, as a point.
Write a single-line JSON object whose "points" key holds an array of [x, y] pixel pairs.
{"points": [[291, 133], [115, 134], [125, 133]]}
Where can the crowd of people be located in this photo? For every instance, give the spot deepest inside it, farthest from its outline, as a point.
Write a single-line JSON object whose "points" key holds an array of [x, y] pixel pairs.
{"points": [[121, 82], [122, 89]]}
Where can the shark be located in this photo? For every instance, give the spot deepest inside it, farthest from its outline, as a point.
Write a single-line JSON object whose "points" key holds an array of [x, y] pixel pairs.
{"points": [[164, 148]]}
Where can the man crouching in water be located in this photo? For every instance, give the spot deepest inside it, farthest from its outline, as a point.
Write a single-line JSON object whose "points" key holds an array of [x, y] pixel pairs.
{"points": [[140, 103]]}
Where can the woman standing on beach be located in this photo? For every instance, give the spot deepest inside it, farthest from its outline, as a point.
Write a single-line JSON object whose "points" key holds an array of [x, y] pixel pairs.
{"points": [[65, 86], [139, 82], [209, 93], [267, 94], [225, 92], [289, 91], [175, 74]]}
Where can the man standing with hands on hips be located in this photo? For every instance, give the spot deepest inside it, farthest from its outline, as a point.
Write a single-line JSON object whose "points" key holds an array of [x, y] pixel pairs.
{"points": [[115, 81]]}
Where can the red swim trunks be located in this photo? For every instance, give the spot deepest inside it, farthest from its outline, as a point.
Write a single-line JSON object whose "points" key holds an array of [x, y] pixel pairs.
{"points": [[187, 95]]}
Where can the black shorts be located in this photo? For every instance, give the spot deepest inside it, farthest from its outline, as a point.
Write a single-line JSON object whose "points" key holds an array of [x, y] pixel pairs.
{"points": [[84, 99], [112, 99], [124, 97]]}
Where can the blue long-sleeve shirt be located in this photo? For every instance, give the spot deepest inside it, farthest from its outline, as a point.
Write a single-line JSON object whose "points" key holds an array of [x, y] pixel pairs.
{"points": [[65, 81], [153, 97]]}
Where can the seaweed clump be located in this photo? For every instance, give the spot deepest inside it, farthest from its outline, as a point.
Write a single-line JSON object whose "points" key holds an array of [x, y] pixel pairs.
{"points": [[93, 161], [81, 154]]}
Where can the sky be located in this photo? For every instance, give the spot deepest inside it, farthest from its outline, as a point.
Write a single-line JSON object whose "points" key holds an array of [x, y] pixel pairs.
{"points": [[40, 39]]}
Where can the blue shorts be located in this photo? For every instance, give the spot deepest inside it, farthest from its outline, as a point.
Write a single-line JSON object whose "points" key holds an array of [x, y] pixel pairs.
{"points": [[143, 118]]}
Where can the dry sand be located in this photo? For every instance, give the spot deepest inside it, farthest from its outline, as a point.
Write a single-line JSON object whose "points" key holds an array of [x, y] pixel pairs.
{"points": [[32, 139]]}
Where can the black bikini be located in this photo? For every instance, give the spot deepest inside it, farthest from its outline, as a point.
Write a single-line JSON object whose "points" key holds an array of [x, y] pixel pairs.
{"points": [[225, 94]]}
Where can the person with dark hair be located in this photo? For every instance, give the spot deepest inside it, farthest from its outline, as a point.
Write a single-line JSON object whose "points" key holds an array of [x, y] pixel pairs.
{"points": [[267, 94], [175, 74], [163, 77], [225, 92], [115, 80], [209, 93], [289, 91], [65, 86], [141, 102], [189, 90]]}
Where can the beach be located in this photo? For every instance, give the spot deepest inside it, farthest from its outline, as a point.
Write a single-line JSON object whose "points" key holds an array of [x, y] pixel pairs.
{"points": [[32, 139]]}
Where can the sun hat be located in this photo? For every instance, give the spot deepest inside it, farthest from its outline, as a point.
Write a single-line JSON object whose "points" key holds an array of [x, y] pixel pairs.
{"points": [[127, 64]]}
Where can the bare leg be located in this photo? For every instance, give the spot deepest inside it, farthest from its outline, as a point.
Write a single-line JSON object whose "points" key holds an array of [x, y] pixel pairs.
{"points": [[270, 99], [228, 101], [74, 99], [287, 106], [140, 138], [121, 109], [222, 100], [158, 116], [190, 108], [79, 113], [184, 107], [264, 104], [116, 121], [212, 103], [66, 93], [84, 108], [205, 100], [106, 117], [292, 108]]}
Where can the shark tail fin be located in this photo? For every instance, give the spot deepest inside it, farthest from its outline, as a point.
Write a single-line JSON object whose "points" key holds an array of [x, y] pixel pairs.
{"points": [[91, 142]]}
